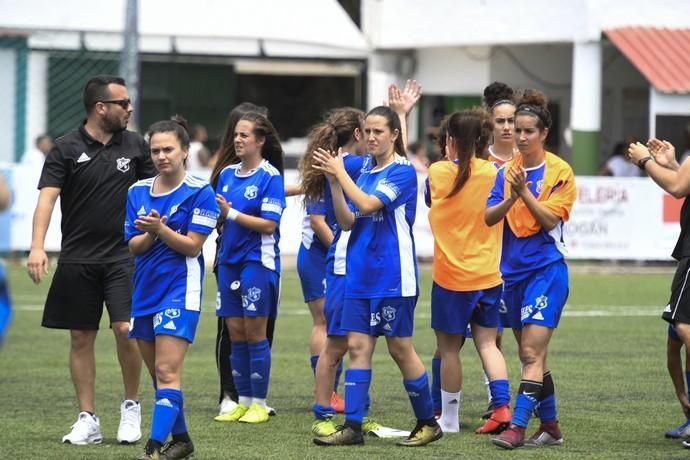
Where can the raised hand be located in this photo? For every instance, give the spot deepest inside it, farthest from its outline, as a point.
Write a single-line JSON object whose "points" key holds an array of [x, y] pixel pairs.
{"points": [[664, 153], [329, 163], [151, 224], [410, 95]]}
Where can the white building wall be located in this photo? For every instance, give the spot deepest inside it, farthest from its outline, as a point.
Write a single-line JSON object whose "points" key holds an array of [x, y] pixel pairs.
{"points": [[8, 73], [454, 71], [37, 97]]}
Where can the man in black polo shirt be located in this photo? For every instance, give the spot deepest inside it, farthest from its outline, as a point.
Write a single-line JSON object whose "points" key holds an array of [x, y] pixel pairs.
{"points": [[91, 169], [658, 160]]}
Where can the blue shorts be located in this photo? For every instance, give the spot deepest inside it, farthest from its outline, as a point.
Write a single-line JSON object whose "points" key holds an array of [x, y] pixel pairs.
{"points": [[311, 268], [248, 289], [333, 307], [453, 311], [388, 316], [176, 322], [539, 299], [672, 334]]}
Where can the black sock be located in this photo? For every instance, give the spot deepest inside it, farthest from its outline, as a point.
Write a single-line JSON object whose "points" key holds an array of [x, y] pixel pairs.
{"points": [[152, 445], [357, 427], [548, 388], [181, 437]]}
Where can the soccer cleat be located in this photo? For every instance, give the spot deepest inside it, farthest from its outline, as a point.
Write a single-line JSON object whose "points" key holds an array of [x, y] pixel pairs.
{"points": [[337, 403], [151, 452], [226, 405], [345, 436], [232, 416], [370, 426], [512, 438], [255, 414], [177, 450], [686, 444], [497, 422], [129, 430], [86, 430], [547, 435], [682, 431], [422, 435], [271, 411], [323, 427]]}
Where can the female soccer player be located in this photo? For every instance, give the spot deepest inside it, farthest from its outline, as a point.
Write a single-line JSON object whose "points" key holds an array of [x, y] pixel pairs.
{"points": [[467, 284], [251, 199], [534, 194], [226, 156], [342, 128], [499, 100], [168, 219], [381, 285]]}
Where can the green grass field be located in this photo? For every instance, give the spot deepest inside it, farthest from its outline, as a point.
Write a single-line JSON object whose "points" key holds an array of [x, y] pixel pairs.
{"points": [[608, 360]]}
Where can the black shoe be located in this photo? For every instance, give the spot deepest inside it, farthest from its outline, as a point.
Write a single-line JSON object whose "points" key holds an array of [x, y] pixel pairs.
{"points": [[177, 450], [152, 451], [345, 436]]}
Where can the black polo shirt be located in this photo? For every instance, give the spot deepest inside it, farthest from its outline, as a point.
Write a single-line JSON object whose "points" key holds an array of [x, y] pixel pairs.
{"points": [[94, 179], [682, 248]]}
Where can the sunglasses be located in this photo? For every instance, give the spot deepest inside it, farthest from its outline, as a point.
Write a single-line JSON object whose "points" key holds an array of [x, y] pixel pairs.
{"points": [[124, 103]]}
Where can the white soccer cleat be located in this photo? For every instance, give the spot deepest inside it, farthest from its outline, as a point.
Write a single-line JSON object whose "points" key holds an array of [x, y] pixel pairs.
{"points": [[129, 430], [86, 430]]}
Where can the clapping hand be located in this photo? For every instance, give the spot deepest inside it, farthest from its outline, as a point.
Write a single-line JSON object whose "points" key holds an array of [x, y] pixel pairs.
{"points": [[152, 224]]}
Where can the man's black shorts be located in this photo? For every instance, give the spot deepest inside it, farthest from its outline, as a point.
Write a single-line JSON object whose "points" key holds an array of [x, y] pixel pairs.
{"points": [[78, 291], [678, 308]]}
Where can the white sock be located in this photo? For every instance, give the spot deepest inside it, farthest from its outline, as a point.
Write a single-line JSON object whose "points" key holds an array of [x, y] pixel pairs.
{"points": [[260, 401], [450, 412], [486, 386], [246, 401]]}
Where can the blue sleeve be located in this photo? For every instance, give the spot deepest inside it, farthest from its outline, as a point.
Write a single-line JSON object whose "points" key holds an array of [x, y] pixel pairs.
{"points": [[427, 193], [496, 194], [354, 165], [273, 199], [205, 212], [399, 182], [131, 216], [317, 208]]}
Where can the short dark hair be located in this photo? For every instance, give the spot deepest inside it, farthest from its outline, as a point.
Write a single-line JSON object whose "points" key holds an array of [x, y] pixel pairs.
{"points": [[96, 89]]}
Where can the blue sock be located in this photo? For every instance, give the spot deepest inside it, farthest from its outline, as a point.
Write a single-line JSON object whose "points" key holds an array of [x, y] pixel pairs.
{"points": [[260, 364], [322, 412], [525, 402], [500, 393], [367, 404], [165, 411], [547, 403], [314, 359], [338, 371], [357, 383], [180, 425], [239, 363], [436, 383], [420, 397]]}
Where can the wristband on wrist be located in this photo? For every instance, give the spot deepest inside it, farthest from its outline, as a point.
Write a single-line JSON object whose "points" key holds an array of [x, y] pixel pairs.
{"points": [[232, 214], [643, 161]]}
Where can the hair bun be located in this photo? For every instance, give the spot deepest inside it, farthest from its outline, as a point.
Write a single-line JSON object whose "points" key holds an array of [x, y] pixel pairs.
{"points": [[498, 91], [534, 97], [180, 120]]}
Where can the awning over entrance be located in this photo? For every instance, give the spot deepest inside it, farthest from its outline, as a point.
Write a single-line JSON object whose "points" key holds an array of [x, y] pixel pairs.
{"points": [[295, 28], [661, 55]]}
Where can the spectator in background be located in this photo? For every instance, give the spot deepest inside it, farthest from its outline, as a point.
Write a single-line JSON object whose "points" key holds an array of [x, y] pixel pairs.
{"points": [[617, 165], [199, 155], [37, 155], [416, 153]]}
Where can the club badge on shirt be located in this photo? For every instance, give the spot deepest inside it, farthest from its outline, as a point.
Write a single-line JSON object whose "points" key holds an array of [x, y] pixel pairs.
{"points": [[123, 164]]}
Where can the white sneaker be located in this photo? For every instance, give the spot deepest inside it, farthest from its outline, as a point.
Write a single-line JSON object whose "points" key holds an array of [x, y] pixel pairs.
{"points": [[227, 405], [86, 430], [129, 431]]}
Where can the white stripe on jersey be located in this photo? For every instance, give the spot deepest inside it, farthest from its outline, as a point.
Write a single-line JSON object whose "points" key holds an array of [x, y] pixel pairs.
{"points": [[194, 181], [557, 234], [193, 297], [385, 188], [408, 276], [268, 252], [269, 168], [341, 253], [307, 232], [142, 183]]}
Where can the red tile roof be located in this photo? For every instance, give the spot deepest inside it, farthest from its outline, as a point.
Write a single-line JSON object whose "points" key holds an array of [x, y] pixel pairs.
{"points": [[661, 55]]}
